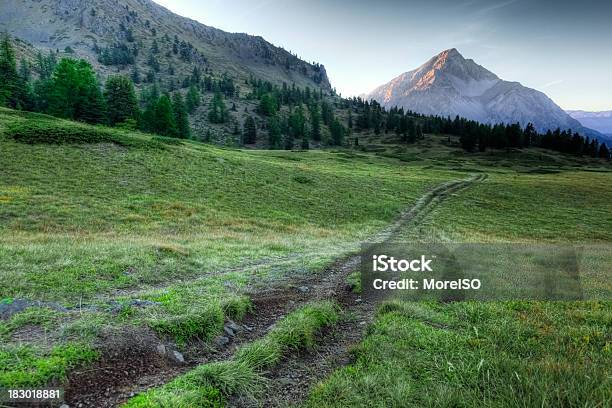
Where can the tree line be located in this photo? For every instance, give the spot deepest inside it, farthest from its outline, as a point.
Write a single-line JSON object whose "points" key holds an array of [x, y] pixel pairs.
{"points": [[473, 136], [70, 89], [304, 117]]}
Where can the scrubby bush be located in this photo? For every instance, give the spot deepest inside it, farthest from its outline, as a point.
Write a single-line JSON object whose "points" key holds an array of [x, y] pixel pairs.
{"points": [[58, 132], [51, 131]]}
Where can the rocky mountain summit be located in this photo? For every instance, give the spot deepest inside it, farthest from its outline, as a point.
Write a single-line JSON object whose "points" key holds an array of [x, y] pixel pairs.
{"points": [[449, 84]]}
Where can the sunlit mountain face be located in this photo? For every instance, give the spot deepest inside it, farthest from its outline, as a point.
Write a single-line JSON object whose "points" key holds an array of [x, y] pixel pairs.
{"points": [[449, 84]]}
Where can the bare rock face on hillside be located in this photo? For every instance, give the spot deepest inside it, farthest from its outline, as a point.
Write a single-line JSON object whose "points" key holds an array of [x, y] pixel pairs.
{"points": [[86, 28], [449, 85]]}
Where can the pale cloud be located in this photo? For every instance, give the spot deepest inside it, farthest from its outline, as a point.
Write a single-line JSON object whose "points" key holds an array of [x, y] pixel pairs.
{"points": [[552, 83], [496, 6]]}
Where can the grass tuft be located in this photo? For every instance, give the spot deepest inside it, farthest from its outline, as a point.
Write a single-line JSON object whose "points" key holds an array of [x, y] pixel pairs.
{"points": [[243, 374], [24, 366]]}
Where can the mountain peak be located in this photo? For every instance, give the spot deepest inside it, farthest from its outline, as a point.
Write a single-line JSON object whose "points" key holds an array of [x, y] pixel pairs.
{"points": [[449, 84], [449, 54], [449, 69]]}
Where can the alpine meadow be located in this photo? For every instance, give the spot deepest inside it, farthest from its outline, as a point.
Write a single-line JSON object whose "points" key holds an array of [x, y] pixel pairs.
{"points": [[185, 213]]}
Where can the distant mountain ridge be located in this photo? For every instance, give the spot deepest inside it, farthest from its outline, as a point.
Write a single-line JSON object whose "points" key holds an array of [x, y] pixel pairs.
{"points": [[600, 121], [83, 27], [449, 85]]}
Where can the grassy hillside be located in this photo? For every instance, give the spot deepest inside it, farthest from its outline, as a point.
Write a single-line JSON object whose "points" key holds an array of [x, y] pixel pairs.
{"points": [[96, 226], [495, 354], [117, 232]]}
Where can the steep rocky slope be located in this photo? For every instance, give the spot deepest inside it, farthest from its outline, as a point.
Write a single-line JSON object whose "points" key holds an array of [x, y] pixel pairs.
{"points": [[126, 29]]}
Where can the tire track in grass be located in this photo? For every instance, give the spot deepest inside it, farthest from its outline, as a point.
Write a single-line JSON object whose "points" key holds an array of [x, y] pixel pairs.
{"points": [[291, 379]]}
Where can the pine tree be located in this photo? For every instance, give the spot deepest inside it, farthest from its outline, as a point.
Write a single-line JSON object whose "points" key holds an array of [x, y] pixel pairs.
{"points": [[326, 113], [288, 142], [93, 108], [249, 135], [268, 105], [164, 123], [46, 65], [412, 131], [74, 92], [192, 99], [529, 135], [315, 123], [604, 152], [297, 122], [419, 132], [135, 75], [305, 143], [180, 116], [25, 72], [217, 112], [121, 103], [274, 134], [13, 89], [337, 132]]}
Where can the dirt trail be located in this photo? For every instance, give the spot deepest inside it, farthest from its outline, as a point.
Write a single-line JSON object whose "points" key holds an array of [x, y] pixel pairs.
{"points": [[291, 381], [134, 367]]}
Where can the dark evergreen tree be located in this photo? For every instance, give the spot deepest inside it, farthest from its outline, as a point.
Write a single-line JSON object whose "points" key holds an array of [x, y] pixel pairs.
{"points": [[135, 75], [529, 134], [249, 134], [337, 133], [121, 103], [274, 134], [25, 71], [315, 123], [288, 142], [217, 112], [268, 104], [46, 65], [163, 120], [192, 99], [297, 123], [153, 63], [411, 131], [74, 92], [305, 143], [327, 113], [13, 89], [419, 132], [180, 116], [604, 152], [154, 47]]}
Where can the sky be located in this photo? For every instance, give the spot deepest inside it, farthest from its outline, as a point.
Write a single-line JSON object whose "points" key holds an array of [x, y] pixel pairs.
{"points": [[560, 47]]}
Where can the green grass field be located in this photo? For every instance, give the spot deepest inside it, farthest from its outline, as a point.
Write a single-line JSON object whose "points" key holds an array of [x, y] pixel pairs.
{"points": [[494, 354], [139, 218], [93, 227]]}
